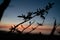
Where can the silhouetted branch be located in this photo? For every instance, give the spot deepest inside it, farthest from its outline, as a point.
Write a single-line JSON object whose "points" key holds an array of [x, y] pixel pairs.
{"points": [[35, 27], [28, 26], [21, 23], [28, 17]]}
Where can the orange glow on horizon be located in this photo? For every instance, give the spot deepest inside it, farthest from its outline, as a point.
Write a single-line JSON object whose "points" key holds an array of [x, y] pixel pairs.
{"points": [[43, 29]]}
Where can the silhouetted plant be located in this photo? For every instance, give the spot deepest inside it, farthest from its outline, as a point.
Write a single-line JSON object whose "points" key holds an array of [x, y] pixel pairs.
{"points": [[40, 12], [54, 27], [3, 6]]}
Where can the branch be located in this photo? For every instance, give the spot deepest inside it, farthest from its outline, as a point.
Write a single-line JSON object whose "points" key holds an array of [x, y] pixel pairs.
{"points": [[27, 26], [21, 23]]}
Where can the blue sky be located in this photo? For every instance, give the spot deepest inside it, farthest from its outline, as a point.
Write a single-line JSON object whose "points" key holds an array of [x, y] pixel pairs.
{"points": [[18, 7]]}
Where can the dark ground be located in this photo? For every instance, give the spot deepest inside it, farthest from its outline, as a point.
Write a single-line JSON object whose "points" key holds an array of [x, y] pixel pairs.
{"points": [[19, 36]]}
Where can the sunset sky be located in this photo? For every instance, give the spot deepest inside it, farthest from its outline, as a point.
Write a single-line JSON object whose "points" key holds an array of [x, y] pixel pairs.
{"points": [[19, 7]]}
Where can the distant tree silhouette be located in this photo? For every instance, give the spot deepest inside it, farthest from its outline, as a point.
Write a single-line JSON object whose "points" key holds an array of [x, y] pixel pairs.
{"points": [[3, 7]]}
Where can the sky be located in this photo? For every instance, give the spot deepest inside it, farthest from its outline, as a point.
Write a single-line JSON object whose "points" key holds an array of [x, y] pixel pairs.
{"points": [[19, 7]]}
